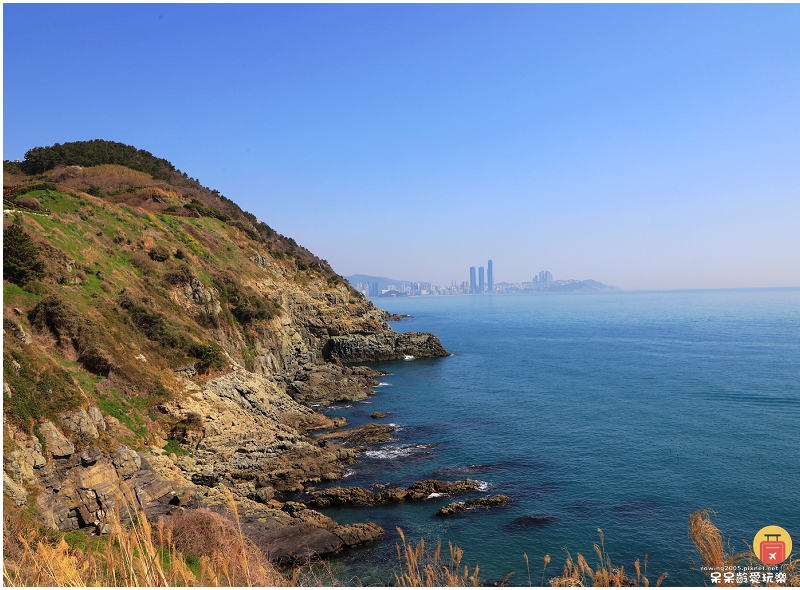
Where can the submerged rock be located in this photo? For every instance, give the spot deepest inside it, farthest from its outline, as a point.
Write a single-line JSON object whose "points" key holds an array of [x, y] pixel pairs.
{"points": [[527, 523]]}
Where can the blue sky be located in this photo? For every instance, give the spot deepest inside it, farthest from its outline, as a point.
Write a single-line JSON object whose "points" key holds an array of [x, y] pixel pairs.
{"points": [[644, 146]]}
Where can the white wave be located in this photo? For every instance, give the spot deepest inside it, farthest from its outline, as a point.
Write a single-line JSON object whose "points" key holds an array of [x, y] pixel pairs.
{"points": [[435, 495], [408, 357], [348, 473], [382, 384], [484, 485], [390, 452]]}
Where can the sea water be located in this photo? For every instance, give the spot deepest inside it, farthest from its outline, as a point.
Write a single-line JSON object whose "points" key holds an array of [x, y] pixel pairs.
{"points": [[620, 411]]}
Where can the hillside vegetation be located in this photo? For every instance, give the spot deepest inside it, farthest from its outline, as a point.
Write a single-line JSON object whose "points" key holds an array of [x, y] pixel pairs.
{"points": [[94, 281]]}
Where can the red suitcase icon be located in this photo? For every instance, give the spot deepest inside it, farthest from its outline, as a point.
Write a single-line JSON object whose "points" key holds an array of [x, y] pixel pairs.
{"points": [[773, 552]]}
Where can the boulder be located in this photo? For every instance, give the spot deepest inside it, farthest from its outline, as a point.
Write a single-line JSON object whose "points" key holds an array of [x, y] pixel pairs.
{"points": [[14, 490], [383, 346], [56, 442], [80, 423], [376, 415], [457, 507], [423, 489], [368, 434], [126, 461]]}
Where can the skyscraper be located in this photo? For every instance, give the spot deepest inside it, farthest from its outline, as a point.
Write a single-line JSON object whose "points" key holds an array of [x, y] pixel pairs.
{"points": [[481, 284], [490, 278], [472, 286]]}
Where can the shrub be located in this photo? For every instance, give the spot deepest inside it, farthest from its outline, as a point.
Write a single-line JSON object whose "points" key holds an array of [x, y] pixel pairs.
{"points": [[160, 253], [180, 254], [144, 264], [95, 191], [39, 186], [58, 316], [21, 260], [206, 355]]}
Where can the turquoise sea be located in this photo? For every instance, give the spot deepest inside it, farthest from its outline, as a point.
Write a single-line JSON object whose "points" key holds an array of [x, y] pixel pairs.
{"points": [[623, 411]]}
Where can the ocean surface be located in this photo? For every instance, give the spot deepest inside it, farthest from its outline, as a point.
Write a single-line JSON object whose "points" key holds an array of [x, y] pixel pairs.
{"points": [[623, 411]]}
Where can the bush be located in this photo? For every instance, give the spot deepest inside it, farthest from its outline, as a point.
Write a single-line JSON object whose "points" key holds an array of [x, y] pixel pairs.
{"points": [[39, 186], [55, 314], [206, 355], [21, 260], [160, 253], [96, 191]]}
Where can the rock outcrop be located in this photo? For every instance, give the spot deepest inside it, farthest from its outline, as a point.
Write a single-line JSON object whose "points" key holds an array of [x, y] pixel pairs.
{"points": [[458, 507], [421, 490], [384, 346], [368, 434]]}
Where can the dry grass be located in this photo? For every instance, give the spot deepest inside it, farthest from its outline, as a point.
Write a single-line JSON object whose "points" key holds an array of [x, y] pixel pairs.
{"points": [[421, 568], [136, 555], [579, 573], [715, 553]]}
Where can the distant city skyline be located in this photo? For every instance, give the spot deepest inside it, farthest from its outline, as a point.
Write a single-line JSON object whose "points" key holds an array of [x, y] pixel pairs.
{"points": [[648, 146]]}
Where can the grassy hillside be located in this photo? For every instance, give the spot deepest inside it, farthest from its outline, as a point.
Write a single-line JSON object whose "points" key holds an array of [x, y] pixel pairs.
{"points": [[102, 306]]}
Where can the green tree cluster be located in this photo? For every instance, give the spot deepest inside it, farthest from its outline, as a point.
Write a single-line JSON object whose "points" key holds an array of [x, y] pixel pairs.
{"points": [[94, 153], [21, 258]]}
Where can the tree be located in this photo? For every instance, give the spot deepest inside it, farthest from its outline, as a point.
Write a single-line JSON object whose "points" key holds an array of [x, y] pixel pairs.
{"points": [[21, 261]]}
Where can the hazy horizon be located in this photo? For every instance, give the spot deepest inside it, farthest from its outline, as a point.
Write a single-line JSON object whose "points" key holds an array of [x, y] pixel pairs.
{"points": [[643, 146]]}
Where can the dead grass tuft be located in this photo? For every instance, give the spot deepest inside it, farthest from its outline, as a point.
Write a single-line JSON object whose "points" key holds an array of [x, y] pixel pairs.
{"points": [[421, 568], [577, 572], [715, 553]]}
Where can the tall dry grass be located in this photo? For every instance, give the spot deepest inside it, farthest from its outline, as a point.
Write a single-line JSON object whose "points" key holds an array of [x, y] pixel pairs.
{"points": [[421, 568], [715, 553], [134, 554], [577, 572]]}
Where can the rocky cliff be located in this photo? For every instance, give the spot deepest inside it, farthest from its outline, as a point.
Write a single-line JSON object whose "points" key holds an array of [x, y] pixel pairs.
{"points": [[174, 360]]}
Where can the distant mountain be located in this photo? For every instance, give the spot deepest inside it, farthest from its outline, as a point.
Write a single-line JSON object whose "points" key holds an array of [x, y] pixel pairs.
{"points": [[564, 286]]}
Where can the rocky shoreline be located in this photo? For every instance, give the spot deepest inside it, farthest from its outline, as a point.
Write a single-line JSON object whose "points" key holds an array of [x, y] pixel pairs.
{"points": [[249, 439], [143, 435]]}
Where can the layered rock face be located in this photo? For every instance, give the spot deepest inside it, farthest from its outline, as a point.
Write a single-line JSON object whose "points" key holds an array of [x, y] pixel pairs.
{"points": [[245, 431]]}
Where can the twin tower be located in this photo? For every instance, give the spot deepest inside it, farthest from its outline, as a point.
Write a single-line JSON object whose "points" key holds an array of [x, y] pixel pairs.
{"points": [[480, 286]]}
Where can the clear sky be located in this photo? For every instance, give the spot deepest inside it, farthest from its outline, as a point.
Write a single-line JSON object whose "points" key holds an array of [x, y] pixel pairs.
{"points": [[643, 146]]}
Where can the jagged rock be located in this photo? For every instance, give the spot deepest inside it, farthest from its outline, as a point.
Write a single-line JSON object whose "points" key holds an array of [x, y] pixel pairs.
{"points": [[376, 415], [384, 346], [90, 456], [97, 418], [263, 495], [17, 331], [423, 489], [392, 495], [330, 383], [420, 490], [252, 430], [338, 496], [356, 534], [23, 462], [15, 491], [367, 434], [56, 442], [126, 461], [295, 533], [80, 423], [187, 370], [456, 507]]}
